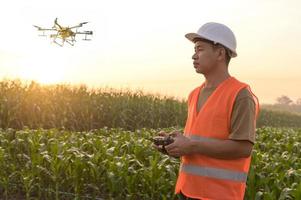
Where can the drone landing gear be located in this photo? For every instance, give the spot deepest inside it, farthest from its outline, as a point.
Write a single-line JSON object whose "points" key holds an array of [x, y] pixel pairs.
{"points": [[86, 36], [58, 43], [70, 42]]}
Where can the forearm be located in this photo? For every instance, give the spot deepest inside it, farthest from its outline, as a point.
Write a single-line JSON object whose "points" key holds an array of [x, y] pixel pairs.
{"points": [[224, 149]]}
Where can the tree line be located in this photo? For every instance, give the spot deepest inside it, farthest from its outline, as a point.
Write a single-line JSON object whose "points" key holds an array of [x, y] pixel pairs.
{"points": [[285, 103]]}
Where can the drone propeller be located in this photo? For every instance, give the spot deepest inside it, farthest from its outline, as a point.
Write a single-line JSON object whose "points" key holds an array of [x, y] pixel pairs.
{"points": [[39, 28], [85, 32], [79, 25], [88, 32]]}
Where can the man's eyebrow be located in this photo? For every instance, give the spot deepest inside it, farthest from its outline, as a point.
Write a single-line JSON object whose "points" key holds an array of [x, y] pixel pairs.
{"points": [[198, 45]]}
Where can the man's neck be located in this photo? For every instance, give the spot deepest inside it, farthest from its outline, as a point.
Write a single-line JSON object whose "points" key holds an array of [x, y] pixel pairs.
{"points": [[215, 79]]}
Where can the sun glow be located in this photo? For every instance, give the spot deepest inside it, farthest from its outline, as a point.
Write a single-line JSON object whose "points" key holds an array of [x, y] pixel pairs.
{"points": [[131, 46], [42, 69]]}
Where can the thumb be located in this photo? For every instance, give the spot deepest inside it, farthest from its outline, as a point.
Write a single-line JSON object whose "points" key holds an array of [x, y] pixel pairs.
{"points": [[175, 133], [162, 133]]}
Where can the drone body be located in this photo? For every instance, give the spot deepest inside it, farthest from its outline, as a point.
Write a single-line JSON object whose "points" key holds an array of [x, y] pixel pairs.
{"points": [[65, 34]]}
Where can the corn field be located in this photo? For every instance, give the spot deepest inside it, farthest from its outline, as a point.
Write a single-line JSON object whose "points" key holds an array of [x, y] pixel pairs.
{"points": [[100, 164], [66, 142], [119, 164], [77, 108]]}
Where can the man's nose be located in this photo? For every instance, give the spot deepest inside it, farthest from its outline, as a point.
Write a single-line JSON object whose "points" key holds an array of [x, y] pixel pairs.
{"points": [[194, 56]]}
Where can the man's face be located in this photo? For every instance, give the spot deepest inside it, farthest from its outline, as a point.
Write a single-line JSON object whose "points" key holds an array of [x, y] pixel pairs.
{"points": [[204, 58]]}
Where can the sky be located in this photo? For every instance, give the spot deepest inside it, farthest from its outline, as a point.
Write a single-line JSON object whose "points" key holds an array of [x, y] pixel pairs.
{"points": [[140, 44]]}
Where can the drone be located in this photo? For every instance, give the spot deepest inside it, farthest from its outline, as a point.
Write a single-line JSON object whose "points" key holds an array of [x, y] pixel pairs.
{"points": [[62, 34]]}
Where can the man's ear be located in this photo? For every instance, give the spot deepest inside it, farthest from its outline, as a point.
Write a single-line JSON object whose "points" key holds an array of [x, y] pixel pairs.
{"points": [[221, 53]]}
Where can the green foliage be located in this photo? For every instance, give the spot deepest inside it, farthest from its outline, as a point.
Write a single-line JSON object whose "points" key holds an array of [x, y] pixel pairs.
{"points": [[100, 148], [291, 108], [109, 164], [81, 109], [120, 164], [278, 119], [275, 171], [78, 108]]}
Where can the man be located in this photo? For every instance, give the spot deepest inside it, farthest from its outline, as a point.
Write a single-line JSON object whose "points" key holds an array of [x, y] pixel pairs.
{"points": [[216, 145]]}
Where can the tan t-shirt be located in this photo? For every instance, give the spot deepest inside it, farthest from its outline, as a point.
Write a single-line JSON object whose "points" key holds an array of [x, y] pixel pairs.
{"points": [[243, 114]]}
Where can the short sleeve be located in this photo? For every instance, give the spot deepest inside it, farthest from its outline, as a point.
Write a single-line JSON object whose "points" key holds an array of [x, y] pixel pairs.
{"points": [[243, 123]]}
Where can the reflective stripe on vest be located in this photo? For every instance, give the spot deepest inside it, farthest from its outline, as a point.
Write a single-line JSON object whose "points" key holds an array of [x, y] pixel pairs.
{"points": [[211, 171], [214, 172], [202, 139]]}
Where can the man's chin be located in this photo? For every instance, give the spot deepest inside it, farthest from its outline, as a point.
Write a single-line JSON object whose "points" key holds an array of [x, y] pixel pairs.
{"points": [[198, 71]]}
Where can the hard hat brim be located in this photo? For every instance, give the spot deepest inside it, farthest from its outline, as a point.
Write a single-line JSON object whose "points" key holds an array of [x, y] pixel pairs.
{"points": [[193, 36]]}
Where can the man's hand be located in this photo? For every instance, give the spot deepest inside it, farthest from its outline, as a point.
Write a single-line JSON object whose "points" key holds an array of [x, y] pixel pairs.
{"points": [[220, 149], [181, 145], [160, 147]]}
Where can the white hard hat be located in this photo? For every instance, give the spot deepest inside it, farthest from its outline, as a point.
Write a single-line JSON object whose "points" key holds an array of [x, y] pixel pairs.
{"points": [[217, 33]]}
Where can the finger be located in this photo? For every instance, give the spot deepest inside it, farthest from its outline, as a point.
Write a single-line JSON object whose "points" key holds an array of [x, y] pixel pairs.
{"points": [[160, 149], [172, 132], [157, 147], [170, 147], [175, 133], [162, 133], [173, 153]]}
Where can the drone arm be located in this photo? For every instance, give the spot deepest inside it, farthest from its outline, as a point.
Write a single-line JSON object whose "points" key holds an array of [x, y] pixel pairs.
{"points": [[44, 29], [79, 25]]}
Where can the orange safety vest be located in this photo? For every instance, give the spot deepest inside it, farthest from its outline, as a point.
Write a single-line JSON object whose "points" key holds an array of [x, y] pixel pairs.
{"points": [[205, 177]]}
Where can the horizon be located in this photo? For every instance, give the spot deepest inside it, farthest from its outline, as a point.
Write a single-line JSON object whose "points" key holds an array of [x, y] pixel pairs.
{"points": [[120, 88]]}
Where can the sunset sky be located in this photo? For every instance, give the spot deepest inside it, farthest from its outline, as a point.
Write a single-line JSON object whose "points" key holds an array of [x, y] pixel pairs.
{"points": [[141, 44]]}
